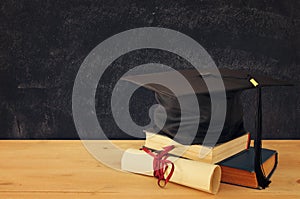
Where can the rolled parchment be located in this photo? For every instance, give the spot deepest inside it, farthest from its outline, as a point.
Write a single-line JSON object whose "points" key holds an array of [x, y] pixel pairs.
{"points": [[199, 175]]}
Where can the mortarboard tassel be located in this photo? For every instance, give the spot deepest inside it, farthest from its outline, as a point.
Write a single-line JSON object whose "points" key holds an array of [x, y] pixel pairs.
{"points": [[263, 181]]}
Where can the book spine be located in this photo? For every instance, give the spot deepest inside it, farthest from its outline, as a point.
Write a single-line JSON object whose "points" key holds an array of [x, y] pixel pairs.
{"points": [[249, 141]]}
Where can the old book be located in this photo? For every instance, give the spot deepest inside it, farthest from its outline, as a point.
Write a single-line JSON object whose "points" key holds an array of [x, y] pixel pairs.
{"points": [[194, 174], [212, 154], [217, 93], [239, 169]]}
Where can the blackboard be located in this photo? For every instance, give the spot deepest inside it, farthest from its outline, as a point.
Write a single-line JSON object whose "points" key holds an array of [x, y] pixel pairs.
{"points": [[43, 44]]}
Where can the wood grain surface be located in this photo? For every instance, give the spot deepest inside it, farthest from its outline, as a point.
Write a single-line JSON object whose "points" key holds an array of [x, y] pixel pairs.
{"points": [[64, 169]]}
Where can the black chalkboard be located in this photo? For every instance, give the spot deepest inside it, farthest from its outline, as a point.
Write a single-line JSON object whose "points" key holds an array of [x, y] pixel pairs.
{"points": [[43, 44]]}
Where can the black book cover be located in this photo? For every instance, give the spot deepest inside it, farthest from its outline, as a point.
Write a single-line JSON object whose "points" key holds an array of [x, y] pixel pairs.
{"points": [[245, 159]]}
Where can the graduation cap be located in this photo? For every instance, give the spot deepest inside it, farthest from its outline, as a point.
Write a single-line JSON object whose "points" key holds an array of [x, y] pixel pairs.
{"points": [[235, 81]]}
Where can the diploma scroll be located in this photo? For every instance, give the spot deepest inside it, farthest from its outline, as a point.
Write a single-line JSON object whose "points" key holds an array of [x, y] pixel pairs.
{"points": [[202, 176]]}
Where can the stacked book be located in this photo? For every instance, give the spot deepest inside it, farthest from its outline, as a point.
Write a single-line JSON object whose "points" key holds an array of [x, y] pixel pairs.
{"points": [[234, 159]]}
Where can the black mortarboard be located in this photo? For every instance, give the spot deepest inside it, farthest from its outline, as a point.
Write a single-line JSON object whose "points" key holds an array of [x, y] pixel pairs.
{"points": [[234, 83]]}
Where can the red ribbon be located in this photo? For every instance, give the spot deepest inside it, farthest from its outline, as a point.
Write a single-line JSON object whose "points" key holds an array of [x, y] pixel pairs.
{"points": [[161, 164]]}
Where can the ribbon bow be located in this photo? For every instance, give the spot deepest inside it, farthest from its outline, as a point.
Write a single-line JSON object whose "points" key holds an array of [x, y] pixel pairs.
{"points": [[161, 164]]}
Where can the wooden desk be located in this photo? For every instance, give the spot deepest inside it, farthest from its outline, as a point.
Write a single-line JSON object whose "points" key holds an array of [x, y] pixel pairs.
{"points": [[64, 169]]}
